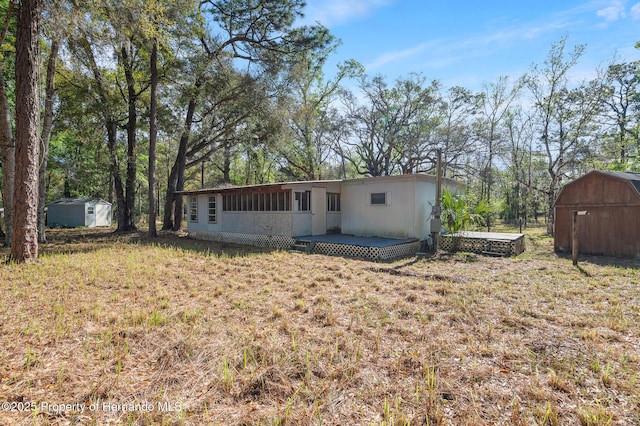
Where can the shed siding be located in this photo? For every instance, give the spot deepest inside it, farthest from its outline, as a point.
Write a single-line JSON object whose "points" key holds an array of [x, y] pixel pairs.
{"points": [[90, 219], [597, 189], [612, 226], [103, 214], [66, 215]]}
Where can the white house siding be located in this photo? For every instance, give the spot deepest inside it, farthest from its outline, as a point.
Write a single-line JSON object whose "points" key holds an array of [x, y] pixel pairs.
{"points": [[266, 223], [202, 224], [334, 221], [425, 199], [301, 223], [242, 222], [395, 219]]}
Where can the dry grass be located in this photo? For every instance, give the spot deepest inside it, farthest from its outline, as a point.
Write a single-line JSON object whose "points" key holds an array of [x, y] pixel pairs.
{"points": [[238, 336]]}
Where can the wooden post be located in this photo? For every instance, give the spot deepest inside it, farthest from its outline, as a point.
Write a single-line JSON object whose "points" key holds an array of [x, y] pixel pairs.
{"points": [[574, 238]]}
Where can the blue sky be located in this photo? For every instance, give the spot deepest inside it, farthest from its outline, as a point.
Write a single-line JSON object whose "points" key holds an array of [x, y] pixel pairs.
{"points": [[468, 42]]}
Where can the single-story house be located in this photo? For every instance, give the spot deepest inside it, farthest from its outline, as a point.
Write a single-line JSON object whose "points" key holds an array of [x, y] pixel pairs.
{"points": [[76, 212], [276, 214], [611, 225]]}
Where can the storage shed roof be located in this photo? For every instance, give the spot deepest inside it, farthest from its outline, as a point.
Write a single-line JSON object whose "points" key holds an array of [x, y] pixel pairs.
{"points": [[78, 201], [632, 177]]}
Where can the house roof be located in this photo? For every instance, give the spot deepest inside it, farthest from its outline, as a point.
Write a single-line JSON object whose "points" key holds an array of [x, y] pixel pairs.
{"points": [[413, 176], [263, 187], [78, 201], [279, 185]]}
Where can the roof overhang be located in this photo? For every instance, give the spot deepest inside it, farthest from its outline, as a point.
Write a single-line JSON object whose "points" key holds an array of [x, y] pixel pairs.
{"points": [[268, 187]]}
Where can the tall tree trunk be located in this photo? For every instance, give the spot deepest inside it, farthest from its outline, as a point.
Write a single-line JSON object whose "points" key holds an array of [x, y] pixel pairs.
{"points": [[178, 211], [226, 162], [552, 199], [47, 127], [132, 123], [24, 242], [8, 158], [114, 165], [7, 143], [173, 202], [153, 134]]}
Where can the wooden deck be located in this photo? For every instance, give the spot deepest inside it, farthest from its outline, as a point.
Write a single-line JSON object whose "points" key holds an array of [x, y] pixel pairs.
{"points": [[489, 243]]}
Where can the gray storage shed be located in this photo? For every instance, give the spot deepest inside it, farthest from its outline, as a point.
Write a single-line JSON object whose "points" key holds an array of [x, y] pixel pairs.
{"points": [[75, 212]]}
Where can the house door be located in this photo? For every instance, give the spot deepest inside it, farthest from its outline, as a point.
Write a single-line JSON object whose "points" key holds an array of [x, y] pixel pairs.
{"points": [[318, 211]]}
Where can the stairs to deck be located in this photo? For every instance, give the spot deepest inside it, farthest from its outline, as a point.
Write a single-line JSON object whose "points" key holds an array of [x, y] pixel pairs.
{"points": [[303, 246], [498, 248]]}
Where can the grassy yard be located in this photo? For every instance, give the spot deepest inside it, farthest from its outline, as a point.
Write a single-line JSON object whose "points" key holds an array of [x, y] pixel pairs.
{"points": [[123, 331]]}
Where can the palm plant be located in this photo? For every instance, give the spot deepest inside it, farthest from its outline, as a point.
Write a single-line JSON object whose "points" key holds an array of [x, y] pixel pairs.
{"points": [[458, 213]]}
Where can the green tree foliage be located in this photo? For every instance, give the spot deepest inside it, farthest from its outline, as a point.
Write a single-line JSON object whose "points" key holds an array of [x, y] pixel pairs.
{"points": [[622, 115], [564, 116], [392, 130], [312, 130], [76, 166]]}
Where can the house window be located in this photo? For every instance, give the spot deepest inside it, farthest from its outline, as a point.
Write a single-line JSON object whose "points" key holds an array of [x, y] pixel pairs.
{"points": [[193, 209], [333, 202], [257, 202], [303, 201], [90, 210], [378, 198], [212, 209]]}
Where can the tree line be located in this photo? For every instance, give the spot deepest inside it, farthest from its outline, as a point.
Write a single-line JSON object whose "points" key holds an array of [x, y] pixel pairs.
{"points": [[140, 100]]}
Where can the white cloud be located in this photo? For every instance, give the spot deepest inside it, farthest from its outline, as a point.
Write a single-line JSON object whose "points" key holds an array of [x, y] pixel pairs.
{"points": [[635, 11], [613, 12], [389, 57], [329, 12], [445, 52]]}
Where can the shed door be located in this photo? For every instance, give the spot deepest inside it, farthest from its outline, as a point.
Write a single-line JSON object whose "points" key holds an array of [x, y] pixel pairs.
{"points": [[318, 211]]}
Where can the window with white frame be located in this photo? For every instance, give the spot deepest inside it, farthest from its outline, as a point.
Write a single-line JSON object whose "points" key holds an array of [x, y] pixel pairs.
{"points": [[193, 209], [333, 202], [91, 210], [211, 215], [302, 200]]}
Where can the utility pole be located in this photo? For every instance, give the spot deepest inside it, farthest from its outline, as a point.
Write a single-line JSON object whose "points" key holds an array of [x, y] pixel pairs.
{"points": [[436, 224]]}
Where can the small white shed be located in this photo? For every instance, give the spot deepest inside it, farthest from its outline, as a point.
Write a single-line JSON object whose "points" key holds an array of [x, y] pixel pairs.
{"points": [[76, 212]]}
